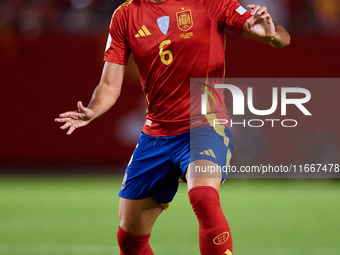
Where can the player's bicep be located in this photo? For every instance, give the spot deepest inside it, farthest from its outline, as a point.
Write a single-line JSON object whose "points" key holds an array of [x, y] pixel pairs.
{"points": [[117, 49]]}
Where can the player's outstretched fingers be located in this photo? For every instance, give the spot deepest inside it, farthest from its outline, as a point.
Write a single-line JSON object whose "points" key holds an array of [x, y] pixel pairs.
{"points": [[251, 6], [267, 17], [262, 10], [70, 131], [61, 120], [66, 125], [72, 114], [254, 9], [70, 126], [58, 120]]}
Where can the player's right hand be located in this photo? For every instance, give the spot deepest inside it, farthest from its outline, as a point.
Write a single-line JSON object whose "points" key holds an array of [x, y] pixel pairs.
{"points": [[75, 119], [261, 23]]}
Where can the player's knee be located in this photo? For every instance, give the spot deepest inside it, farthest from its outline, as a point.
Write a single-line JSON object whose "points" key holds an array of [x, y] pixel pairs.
{"points": [[130, 244], [203, 196]]}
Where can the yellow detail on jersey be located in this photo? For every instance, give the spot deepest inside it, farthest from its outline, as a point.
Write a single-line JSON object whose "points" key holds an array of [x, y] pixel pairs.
{"points": [[143, 32], [184, 20], [147, 98], [147, 101], [130, 160], [168, 53], [132, 156], [180, 180], [146, 31], [186, 35], [208, 152], [165, 205], [212, 153], [208, 105], [140, 32], [221, 238], [228, 157], [218, 127], [126, 3], [228, 252]]}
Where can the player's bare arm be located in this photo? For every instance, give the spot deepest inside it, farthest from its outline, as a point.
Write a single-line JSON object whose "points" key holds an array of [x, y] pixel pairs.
{"points": [[260, 27], [104, 97]]}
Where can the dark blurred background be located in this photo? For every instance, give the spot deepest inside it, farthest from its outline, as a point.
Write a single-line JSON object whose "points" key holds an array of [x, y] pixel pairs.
{"points": [[51, 55]]}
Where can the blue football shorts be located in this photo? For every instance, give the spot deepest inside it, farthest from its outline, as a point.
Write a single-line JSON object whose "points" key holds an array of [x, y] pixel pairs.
{"points": [[159, 163]]}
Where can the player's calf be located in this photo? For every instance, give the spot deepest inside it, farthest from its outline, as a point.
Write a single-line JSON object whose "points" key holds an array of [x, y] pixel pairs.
{"points": [[214, 232]]}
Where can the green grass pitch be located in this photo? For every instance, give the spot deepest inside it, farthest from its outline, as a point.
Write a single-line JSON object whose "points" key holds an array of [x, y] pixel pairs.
{"points": [[78, 215]]}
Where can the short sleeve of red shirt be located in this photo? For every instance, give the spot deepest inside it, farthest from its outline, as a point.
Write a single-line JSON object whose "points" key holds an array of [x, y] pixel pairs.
{"points": [[117, 50], [227, 13]]}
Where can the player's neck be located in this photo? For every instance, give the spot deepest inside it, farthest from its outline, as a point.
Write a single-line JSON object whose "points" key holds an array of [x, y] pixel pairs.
{"points": [[157, 1]]}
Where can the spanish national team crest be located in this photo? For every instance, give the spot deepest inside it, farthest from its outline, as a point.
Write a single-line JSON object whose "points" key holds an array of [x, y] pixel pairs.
{"points": [[184, 20]]}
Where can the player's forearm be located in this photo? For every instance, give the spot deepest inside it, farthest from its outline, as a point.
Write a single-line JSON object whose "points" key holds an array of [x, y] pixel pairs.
{"points": [[103, 98], [271, 34], [107, 92], [280, 39]]}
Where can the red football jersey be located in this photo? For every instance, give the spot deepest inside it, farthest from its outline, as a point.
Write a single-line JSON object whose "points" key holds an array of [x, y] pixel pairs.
{"points": [[171, 42]]}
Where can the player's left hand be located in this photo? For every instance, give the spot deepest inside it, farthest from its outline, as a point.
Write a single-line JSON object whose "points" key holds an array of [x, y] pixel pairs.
{"points": [[261, 23]]}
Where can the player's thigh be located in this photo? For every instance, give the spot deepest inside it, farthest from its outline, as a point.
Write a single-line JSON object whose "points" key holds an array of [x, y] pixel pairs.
{"points": [[138, 216], [200, 173]]}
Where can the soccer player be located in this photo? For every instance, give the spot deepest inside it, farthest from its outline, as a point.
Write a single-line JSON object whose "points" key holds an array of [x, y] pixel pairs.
{"points": [[173, 41]]}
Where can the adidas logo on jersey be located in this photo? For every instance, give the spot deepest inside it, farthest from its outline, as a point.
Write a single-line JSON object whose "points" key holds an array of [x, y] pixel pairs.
{"points": [[143, 32], [208, 153]]}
